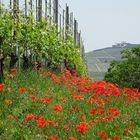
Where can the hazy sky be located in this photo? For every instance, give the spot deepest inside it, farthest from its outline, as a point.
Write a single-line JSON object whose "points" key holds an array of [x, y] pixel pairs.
{"points": [[106, 22]]}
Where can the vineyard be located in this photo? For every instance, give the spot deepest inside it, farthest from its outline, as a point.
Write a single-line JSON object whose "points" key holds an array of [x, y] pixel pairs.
{"points": [[26, 39], [45, 92], [98, 61]]}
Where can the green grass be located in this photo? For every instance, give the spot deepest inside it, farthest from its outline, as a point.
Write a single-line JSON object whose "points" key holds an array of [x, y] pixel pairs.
{"points": [[68, 101]]}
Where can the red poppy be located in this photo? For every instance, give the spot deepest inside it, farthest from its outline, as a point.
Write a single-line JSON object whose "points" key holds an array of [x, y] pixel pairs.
{"points": [[50, 122], [65, 127], [59, 119], [83, 115], [9, 102], [11, 76], [82, 127], [29, 117], [14, 70], [41, 75], [58, 108], [53, 138], [51, 88], [10, 116], [72, 138], [73, 109], [42, 123], [36, 117], [48, 73], [34, 99], [131, 127], [32, 90], [2, 87], [102, 134], [55, 124], [63, 98], [109, 118], [117, 137], [8, 88], [41, 69], [22, 89], [93, 111], [125, 131]]}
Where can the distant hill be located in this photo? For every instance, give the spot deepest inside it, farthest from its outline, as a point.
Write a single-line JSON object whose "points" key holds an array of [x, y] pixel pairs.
{"points": [[99, 60]]}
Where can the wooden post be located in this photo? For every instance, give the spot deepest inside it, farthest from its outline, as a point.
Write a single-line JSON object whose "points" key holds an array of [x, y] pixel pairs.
{"points": [[75, 32], [18, 6], [18, 53], [31, 7], [14, 7], [67, 21], [15, 14], [10, 7], [0, 7], [39, 10], [25, 8], [79, 39], [46, 9], [71, 22], [63, 24], [36, 9], [60, 24], [50, 9], [55, 13]]}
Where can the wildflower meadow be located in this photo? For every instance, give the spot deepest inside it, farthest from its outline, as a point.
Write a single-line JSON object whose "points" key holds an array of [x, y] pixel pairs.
{"points": [[41, 104]]}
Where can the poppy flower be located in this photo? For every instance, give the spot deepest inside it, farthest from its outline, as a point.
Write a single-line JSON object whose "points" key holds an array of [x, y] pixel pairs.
{"points": [[8, 88], [102, 134], [41, 69], [72, 138], [50, 122], [58, 108], [32, 90], [117, 137], [22, 89], [48, 73], [65, 127], [10, 116], [93, 111], [125, 131], [73, 109], [29, 117], [14, 70], [11, 76], [9, 102], [42, 123], [63, 98], [2, 87], [82, 127], [53, 138]]}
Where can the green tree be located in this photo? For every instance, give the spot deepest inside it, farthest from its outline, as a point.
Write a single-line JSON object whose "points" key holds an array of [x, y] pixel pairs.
{"points": [[127, 72]]}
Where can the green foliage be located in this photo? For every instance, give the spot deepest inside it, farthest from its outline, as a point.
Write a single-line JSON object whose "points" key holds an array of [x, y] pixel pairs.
{"points": [[127, 72], [40, 40]]}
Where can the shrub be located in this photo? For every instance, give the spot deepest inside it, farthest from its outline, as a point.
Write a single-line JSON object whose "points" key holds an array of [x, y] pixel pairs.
{"points": [[127, 72]]}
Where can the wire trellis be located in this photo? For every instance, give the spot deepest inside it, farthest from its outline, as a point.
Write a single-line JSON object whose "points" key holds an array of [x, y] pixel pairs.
{"points": [[54, 12]]}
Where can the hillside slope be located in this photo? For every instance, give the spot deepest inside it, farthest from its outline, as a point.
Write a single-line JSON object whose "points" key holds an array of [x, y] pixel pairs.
{"points": [[98, 61]]}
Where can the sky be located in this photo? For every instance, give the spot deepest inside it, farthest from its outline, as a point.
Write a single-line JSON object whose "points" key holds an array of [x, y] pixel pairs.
{"points": [[104, 23]]}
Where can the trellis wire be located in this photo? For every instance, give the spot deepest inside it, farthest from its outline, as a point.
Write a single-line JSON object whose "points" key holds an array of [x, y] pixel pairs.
{"points": [[52, 11]]}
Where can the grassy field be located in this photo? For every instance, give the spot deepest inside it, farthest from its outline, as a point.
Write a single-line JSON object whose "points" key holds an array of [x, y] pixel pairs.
{"points": [[44, 105]]}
